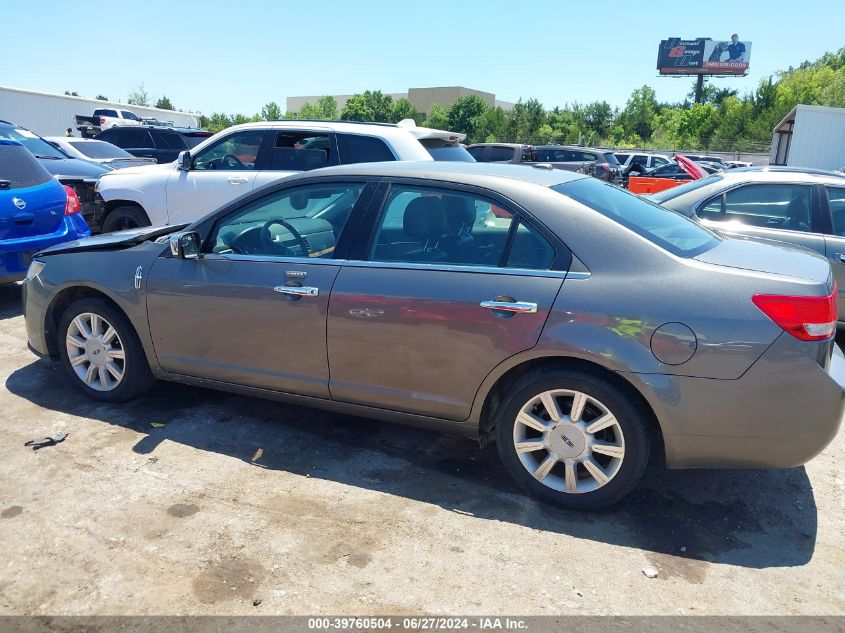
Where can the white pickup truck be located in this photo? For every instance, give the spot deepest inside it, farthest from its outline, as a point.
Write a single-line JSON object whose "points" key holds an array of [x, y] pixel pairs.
{"points": [[103, 119], [245, 157]]}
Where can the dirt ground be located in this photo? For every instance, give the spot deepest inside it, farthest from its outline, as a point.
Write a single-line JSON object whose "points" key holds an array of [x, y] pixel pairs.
{"points": [[235, 500]]}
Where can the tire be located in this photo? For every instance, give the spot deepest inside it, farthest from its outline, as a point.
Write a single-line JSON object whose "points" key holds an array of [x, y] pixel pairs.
{"points": [[623, 437], [134, 369], [125, 217]]}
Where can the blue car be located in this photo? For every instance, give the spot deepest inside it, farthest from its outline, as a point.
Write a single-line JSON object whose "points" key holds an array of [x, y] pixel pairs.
{"points": [[36, 211]]}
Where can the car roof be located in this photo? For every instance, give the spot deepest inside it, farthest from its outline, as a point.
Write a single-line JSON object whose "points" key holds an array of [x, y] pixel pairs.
{"points": [[159, 128], [75, 139], [481, 174], [576, 147], [775, 173], [499, 145]]}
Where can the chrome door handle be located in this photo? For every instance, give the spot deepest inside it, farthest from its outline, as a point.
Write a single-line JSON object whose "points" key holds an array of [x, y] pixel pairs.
{"points": [[235, 180], [298, 291], [520, 307]]}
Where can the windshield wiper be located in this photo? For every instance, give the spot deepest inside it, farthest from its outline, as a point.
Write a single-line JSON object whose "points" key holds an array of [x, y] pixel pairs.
{"points": [[42, 157]]}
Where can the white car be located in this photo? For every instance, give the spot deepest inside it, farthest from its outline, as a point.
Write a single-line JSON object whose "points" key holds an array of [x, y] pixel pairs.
{"points": [[244, 157], [646, 160], [100, 152]]}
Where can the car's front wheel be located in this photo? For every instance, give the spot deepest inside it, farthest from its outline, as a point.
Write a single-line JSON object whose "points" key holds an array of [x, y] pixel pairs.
{"points": [[572, 438], [125, 217], [101, 352]]}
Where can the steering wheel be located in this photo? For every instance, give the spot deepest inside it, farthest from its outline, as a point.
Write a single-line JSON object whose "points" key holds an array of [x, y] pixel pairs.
{"points": [[247, 242], [234, 162], [268, 244]]}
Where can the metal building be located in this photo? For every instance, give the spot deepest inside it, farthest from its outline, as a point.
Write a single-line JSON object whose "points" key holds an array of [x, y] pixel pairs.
{"points": [[810, 136], [49, 114]]}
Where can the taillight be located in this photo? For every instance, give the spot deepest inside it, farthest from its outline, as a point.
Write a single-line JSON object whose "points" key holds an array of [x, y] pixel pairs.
{"points": [[806, 318], [102, 120], [72, 205]]}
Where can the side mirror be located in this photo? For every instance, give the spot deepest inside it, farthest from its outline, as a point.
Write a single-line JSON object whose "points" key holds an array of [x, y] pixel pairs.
{"points": [[185, 245], [185, 161]]}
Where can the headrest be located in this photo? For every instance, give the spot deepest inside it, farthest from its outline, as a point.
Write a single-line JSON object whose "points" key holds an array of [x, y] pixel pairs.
{"points": [[424, 219], [460, 212]]}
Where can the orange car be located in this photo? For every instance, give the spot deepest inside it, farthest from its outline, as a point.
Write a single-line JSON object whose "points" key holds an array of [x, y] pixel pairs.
{"points": [[689, 170]]}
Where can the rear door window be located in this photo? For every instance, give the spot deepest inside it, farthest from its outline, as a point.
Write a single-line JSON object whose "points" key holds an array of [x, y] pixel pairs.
{"points": [[129, 115], [137, 138], [355, 148], [774, 206], [169, 140], [836, 203], [640, 159]]}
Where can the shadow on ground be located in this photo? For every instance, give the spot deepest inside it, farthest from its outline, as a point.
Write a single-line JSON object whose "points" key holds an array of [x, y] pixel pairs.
{"points": [[753, 519], [10, 301]]}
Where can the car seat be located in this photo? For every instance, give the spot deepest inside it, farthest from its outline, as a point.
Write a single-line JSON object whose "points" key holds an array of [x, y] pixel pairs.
{"points": [[424, 221]]}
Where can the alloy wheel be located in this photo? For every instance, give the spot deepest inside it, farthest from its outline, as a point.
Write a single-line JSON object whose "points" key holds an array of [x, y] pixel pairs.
{"points": [[569, 441], [95, 352]]}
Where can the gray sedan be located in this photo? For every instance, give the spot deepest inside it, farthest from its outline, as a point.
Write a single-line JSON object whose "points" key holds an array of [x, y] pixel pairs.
{"points": [[579, 327]]}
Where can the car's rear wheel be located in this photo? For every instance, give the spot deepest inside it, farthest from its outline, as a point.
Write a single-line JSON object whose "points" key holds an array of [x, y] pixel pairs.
{"points": [[101, 352], [125, 217], [572, 438]]}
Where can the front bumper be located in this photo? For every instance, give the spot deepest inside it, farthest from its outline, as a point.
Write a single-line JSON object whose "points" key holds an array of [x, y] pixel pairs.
{"points": [[781, 413], [16, 254]]}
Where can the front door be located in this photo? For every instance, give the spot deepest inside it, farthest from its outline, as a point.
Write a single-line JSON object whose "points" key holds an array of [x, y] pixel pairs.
{"points": [[252, 310], [220, 173], [451, 285]]}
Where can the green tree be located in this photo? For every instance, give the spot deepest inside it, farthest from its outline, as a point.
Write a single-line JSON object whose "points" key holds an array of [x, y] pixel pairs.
{"points": [[139, 96], [271, 112], [164, 103], [369, 106], [638, 115], [101, 98], [437, 117], [403, 109], [492, 126], [465, 115], [71, 94]]}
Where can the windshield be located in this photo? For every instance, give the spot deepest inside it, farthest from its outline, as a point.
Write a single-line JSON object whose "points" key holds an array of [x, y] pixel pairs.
{"points": [[670, 194], [37, 146], [99, 149], [667, 229]]}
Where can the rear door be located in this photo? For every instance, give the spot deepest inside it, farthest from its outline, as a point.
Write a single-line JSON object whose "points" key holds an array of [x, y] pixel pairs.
{"points": [[444, 284], [220, 173], [138, 142], [775, 211], [833, 206]]}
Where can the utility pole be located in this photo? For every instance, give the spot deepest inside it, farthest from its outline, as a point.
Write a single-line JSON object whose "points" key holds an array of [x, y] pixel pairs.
{"points": [[699, 87]]}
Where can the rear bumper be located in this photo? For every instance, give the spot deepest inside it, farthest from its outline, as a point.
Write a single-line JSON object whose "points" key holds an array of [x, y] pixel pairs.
{"points": [[16, 254], [781, 413]]}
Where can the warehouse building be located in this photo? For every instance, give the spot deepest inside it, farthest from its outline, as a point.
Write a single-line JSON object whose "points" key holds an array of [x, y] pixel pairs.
{"points": [[421, 98], [50, 114]]}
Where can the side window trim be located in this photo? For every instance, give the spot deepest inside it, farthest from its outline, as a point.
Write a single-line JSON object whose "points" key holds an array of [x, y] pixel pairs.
{"points": [[367, 230], [345, 239]]}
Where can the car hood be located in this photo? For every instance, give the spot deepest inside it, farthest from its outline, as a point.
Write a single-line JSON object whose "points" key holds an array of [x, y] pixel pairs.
{"points": [[141, 169], [112, 241], [768, 256], [73, 168]]}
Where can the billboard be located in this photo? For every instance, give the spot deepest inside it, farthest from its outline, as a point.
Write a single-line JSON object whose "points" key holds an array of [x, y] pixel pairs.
{"points": [[703, 56]]}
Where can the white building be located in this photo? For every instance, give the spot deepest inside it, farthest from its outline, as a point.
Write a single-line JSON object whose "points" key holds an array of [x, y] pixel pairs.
{"points": [[49, 114], [810, 136]]}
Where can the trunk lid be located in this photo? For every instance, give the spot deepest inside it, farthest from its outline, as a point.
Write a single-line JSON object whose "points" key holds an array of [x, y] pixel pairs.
{"points": [[769, 256]]}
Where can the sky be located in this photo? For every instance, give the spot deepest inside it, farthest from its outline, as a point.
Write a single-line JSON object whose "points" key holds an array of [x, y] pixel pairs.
{"points": [[236, 56]]}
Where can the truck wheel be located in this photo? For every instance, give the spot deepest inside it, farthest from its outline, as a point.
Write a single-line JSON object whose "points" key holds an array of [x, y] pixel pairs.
{"points": [[125, 217]]}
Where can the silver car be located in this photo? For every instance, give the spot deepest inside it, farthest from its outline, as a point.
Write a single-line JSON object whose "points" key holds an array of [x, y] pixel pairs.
{"points": [[801, 207], [579, 327]]}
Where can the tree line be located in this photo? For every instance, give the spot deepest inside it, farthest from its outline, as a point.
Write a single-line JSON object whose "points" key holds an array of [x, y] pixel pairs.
{"points": [[723, 121]]}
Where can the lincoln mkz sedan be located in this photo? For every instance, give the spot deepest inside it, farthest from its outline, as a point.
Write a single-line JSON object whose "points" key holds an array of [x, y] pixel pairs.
{"points": [[578, 326]]}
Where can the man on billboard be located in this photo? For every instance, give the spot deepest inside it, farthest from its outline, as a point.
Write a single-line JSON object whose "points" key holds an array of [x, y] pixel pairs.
{"points": [[736, 49]]}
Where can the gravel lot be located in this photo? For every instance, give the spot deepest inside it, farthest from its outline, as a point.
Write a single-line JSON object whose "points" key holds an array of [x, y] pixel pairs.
{"points": [[235, 500]]}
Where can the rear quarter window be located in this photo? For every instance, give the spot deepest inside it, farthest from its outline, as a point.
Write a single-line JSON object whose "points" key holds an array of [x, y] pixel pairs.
{"points": [[362, 149]]}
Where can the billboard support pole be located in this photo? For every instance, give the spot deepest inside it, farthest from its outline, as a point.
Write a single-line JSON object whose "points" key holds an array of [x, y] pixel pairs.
{"points": [[699, 87]]}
